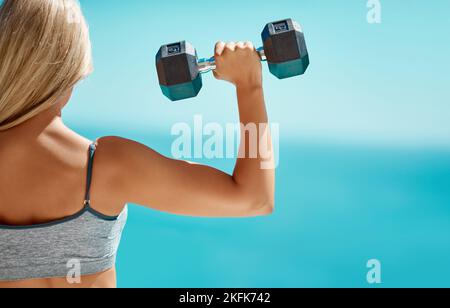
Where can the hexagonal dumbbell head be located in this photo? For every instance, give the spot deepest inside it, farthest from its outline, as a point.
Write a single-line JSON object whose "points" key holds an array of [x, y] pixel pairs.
{"points": [[285, 48], [178, 73]]}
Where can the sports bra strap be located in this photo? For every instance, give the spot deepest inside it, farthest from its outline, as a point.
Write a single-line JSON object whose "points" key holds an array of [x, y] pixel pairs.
{"points": [[87, 198]]}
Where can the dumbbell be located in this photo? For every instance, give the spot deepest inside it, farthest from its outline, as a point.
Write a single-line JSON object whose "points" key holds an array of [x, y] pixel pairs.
{"points": [[180, 71]]}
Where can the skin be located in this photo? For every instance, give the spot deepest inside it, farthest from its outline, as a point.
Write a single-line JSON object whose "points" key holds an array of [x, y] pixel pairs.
{"points": [[125, 171]]}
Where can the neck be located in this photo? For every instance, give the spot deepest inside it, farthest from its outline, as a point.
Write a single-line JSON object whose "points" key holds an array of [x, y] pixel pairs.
{"points": [[46, 121]]}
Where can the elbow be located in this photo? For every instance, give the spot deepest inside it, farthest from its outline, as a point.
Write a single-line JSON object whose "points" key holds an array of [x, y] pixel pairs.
{"points": [[262, 207], [268, 208], [257, 202]]}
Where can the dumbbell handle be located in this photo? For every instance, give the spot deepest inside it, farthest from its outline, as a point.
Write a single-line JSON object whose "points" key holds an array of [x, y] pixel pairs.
{"points": [[209, 64]]}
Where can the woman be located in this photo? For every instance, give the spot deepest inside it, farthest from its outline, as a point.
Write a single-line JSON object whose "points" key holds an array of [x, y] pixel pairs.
{"points": [[62, 197]]}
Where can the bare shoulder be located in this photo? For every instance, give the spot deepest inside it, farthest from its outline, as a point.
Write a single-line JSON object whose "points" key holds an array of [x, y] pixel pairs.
{"points": [[118, 146], [119, 164], [119, 154], [108, 175], [110, 157]]}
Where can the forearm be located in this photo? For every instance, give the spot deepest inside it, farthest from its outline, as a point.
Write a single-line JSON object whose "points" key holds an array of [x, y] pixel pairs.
{"points": [[254, 172]]}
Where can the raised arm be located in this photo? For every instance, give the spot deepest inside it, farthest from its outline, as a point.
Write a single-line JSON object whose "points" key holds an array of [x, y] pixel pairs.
{"points": [[142, 176]]}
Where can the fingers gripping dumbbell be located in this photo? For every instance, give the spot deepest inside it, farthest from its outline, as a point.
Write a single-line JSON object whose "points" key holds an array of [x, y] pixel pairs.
{"points": [[179, 69]]}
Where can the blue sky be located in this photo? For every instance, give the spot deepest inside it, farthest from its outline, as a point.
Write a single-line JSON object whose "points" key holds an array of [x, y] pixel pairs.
{"points": [[377, 84]]}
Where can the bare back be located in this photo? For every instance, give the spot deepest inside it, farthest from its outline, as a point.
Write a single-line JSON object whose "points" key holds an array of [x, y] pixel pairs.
{"points": [[43, 179]]}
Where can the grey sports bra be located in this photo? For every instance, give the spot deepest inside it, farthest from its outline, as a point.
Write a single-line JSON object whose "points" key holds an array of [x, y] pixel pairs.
{"points": [[85, 243]]}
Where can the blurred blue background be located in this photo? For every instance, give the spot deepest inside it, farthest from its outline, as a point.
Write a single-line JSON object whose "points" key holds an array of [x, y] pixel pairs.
{"points": [[365, 142]]}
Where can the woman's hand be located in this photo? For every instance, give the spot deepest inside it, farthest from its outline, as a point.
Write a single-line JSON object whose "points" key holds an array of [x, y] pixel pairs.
{"points": [[238, 63]]}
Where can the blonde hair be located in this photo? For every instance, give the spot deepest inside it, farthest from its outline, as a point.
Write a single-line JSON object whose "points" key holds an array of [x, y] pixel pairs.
{"points": [[44, 52]]}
